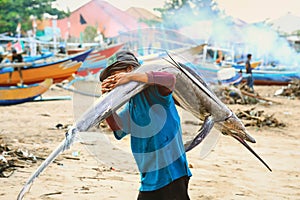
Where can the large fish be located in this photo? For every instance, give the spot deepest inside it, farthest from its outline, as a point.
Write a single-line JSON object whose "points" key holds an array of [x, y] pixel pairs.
{"points": [[191, 93]]}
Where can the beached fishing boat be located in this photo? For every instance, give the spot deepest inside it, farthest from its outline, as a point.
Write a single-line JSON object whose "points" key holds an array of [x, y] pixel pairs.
{"points": [[213, 74], [20, 94], [91, 81], [28, 58], [38, 57], [34, 73], [272, 77], [224, 57], [6, 70], [96, 60], [242, 65], [262, 76]]}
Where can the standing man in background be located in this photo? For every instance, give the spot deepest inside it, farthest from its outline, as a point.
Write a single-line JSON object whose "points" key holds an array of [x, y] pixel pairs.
{"points": [[250, 80], [16, 58]]}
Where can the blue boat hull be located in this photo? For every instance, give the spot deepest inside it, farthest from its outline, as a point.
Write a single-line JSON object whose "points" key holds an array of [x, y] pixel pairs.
{"points": [[272, 77], [17, 101]]}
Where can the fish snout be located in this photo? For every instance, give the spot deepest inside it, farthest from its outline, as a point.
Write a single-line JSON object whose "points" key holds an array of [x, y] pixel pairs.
{"points": [[235, 127]]}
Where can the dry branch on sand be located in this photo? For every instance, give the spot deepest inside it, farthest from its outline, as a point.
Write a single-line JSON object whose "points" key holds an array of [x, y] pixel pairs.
{"points": [[11, 159], [238, 95], [258, 118]]}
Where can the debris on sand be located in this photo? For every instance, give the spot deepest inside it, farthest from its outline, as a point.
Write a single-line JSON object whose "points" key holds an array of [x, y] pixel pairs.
{"points": [[11, 159], [258, 118], [292, 90], [238, 95]]}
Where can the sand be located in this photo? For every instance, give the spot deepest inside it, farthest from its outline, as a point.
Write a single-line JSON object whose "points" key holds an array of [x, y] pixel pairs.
{"points": [[228, 172]]}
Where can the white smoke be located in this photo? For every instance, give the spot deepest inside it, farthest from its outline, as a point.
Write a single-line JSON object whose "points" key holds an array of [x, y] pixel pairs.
{"points": [[259, 39]]}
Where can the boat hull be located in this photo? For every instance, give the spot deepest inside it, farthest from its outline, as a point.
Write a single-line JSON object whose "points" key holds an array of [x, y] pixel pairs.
{"points": [[272, 77], [58, 71], [97, 60], [20, 94]]}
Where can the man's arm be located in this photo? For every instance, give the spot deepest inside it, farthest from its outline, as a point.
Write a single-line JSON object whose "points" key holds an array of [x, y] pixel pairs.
{"points": [[166, 81], [120, 130], [114, 122]]}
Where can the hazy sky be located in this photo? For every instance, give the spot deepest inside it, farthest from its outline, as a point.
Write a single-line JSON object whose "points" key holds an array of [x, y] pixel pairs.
{"points": [[247, 10]]}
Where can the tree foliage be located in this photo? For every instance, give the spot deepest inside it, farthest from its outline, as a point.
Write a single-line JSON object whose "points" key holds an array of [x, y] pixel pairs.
{"points": [[90, 32], [178, 13], [14, 11]]}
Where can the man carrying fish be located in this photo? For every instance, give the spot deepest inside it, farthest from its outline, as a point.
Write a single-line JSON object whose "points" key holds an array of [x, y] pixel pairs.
{"points": [[151, 118]]}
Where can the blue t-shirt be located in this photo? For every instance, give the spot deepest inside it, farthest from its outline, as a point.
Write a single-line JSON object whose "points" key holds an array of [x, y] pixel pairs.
{"points": [[156, 138]]}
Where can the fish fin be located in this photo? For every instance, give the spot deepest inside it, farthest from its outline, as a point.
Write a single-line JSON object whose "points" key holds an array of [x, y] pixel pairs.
{"points": [[209, 144], [202, 133], [65, 144]]}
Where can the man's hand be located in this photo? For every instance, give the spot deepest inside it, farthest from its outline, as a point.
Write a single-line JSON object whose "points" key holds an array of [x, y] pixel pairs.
{"points": [[114, 80]]}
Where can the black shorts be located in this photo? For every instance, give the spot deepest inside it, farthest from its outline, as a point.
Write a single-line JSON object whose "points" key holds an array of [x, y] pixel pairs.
{"points": [[177, 190]]}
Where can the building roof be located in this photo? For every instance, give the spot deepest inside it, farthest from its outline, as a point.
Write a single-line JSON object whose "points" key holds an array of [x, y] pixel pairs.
{"points": [[109, 20], [141, 13]]}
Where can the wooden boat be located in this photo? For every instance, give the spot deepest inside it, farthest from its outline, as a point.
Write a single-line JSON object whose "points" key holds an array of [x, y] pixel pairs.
{"points": [[213, 74], [75, 51], [6, 70], [20, 94], [228, 76], [242, 65], [261, 76], [97, 60], [38, 57], [27, 58], [187, 52], [272, 77], [34, 73]]}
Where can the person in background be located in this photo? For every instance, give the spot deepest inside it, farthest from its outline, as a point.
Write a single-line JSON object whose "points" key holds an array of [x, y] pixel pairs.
{"points": [[1, 57], [62, 49], [16, 58], [220, 57], [250, 80], [38, 50], [159, 152]]}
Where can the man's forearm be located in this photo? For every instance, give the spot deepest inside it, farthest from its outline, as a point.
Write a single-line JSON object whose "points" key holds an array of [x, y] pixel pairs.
{"points": [[159, 78], [114, 122], [166, 81], [139, 77]]}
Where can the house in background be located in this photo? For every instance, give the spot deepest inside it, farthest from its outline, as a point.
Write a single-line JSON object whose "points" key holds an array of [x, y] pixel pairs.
{"points": [[142, 14], [109, 20]]}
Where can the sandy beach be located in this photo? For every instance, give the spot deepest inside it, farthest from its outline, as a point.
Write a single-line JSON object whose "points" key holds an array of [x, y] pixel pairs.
{"points": [[228, 172]]}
